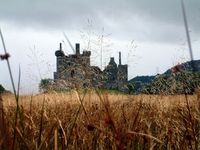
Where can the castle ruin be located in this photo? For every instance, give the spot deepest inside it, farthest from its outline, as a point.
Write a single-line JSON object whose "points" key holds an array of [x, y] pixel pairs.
{"points": [[75, 71]]}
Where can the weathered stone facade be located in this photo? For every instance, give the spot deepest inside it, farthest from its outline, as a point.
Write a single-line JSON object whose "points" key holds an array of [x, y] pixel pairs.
{"points": [[74, 70]]}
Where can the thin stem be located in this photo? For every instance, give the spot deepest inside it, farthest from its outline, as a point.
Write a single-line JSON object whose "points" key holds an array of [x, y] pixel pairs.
{"points": [[188, 34], [8, 63]]}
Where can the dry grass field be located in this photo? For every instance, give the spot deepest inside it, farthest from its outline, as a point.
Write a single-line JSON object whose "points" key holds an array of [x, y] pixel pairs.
{"points": [[94, 120]]}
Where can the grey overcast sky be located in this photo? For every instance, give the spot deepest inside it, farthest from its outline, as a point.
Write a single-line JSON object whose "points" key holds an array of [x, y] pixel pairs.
{"points": [[150, 34]]}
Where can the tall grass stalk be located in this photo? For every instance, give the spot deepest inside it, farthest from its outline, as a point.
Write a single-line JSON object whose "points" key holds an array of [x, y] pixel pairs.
{"points": [[41, 122], [75, 119], [9, 67], [194, 69], [16, 92]]}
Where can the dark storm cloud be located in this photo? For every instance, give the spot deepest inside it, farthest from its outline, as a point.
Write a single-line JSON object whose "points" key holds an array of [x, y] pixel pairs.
{"points": [[151, 19]]}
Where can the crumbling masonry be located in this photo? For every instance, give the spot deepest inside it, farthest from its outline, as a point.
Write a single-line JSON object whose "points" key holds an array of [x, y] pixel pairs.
{"points": [[75, 71]]}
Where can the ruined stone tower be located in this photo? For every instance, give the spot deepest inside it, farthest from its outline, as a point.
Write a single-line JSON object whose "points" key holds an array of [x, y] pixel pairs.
{"points": [[122, 75], [74, 70], [116, 76]]}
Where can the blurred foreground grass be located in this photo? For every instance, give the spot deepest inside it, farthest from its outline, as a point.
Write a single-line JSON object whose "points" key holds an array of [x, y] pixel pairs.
{"points": [[95, 120]]}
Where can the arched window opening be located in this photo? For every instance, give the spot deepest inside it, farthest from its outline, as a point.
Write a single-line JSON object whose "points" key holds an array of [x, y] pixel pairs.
{"points": [[72, 73]]}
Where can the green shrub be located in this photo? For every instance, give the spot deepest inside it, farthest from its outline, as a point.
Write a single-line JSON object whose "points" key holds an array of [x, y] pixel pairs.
{"points": [[2, 89]]}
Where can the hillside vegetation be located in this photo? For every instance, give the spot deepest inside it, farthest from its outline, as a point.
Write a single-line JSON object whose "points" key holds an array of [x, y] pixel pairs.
{"points": [[180, 79]]}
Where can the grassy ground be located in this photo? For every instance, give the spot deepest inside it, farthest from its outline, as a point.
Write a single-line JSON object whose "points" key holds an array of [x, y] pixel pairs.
{"points": [[94, 120]]}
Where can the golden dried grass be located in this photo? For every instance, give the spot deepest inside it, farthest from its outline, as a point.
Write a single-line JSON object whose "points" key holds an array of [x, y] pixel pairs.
{"points": [[96, 120]]}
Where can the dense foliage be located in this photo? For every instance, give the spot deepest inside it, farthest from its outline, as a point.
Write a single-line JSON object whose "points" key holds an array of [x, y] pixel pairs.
{"points": [[179, 79], [45, 85], [2, 89], [180, 83]]}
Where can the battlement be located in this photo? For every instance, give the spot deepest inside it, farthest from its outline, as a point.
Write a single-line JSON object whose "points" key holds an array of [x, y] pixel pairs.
{"points": [[87, 53]]}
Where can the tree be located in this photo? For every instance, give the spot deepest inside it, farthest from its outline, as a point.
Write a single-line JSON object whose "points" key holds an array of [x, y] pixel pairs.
{"points": [[2, 89], [131, 88], [46, 85]]}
